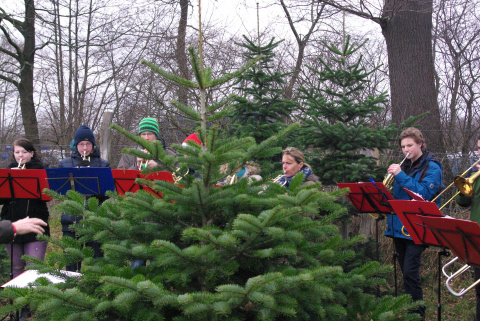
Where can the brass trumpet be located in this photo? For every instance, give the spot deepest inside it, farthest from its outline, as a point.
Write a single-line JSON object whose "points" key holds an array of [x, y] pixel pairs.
{"points": [[389, 179], [84, 157], [177, 178], [20, 165], [231, 179]]}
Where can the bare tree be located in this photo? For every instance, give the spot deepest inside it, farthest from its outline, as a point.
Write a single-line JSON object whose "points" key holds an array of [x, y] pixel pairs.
{"points": [[23, 51], [458, 72], [314, 11]]}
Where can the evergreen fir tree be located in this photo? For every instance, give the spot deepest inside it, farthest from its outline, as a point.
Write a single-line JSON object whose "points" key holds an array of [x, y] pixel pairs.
{"points": [[239, 252], [260, 111], [337, 120]]}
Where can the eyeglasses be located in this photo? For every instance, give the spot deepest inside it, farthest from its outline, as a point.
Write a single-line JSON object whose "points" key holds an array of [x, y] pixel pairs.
{"points": [[85, 145]]}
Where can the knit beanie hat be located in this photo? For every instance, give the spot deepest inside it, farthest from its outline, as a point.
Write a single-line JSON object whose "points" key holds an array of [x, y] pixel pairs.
{"points": [[149, 125], [84, 133]]}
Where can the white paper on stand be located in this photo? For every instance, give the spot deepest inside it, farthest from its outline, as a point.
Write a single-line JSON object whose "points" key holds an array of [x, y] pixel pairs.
{"points": [[29, 276]]}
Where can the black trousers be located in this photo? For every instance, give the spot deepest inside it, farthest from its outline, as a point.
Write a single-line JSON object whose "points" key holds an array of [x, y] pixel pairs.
{"points": [[97, 252], [409, 258]]}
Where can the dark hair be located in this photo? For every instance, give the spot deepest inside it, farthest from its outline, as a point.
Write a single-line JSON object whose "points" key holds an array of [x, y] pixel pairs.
{"points": [[415, 134], [478, 138], [27, 145]]}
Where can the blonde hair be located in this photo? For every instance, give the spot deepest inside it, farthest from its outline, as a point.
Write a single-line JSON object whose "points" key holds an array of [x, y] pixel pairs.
{"points": [[297, 154], [415, 134]]}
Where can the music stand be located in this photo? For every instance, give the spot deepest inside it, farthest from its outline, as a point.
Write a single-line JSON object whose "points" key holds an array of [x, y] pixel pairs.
{"points": [[412, 214], [21, 184], [84, 180], [125, 180], [463, 239], [88, 181], [371, 198]]}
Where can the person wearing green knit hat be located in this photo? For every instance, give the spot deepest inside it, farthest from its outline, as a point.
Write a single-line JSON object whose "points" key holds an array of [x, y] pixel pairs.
{"points": [[149, 125], [149, 130]]}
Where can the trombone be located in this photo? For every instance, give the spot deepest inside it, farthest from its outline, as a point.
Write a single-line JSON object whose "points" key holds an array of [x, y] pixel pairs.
{"points": [[453, 276], [464, 185]]}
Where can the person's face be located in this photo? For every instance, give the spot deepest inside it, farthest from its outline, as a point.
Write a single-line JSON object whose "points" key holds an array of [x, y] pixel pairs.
{"points": [[290, 165], [478, 146], [412, 148], [85, 147], [149, 136], [21, 154]]}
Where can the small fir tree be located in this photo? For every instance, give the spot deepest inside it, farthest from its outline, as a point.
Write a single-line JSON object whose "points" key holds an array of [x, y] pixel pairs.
{"points": [[238, 252], [260, 111], [338, 115]]}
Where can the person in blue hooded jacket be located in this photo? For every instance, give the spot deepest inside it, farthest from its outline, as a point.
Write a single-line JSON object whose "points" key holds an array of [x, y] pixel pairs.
{"points": [[421, 173], [85, 153]]}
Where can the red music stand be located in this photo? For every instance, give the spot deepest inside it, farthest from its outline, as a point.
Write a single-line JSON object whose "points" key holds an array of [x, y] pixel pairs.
{"points": [[413, 215], [125, 180], [462, 237], [23, 184], [369, 197], [410, 213]]}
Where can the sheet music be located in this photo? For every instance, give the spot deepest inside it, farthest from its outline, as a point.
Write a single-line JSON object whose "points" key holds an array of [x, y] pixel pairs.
{"points": [[29, 276]]}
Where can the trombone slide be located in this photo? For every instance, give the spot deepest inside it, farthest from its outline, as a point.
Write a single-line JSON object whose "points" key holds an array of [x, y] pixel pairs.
{"points": [[453, 276]]}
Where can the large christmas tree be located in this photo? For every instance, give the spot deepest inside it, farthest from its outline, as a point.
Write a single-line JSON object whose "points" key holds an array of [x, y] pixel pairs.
{"points": [[238, 252]]}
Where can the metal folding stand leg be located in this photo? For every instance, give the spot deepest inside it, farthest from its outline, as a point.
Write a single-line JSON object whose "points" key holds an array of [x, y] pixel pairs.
{"points": [[377, 243], [443, 252]]}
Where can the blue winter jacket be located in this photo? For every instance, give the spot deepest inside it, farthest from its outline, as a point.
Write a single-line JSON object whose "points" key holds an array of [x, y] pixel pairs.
{"points": [[75, 160], [423, 177]]}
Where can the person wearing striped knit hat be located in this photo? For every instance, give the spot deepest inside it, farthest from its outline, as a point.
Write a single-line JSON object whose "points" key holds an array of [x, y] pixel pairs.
{"points": [[149, 130]]}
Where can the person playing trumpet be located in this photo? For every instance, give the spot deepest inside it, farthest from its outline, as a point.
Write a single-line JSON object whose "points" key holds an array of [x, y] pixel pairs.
{"points": [[85, 153], [474, 203], [149, 130], [24, 153], [293, 162], [421, 173]]}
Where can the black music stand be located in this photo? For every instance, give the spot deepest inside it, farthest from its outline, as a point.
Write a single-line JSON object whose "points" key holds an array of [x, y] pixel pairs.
{"points": [[411, 214], [372, 198], [21, 184]]}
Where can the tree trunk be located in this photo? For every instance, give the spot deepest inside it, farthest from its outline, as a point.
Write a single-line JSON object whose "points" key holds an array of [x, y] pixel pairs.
{"points": [[407, 28], [25, 86], [181, 54]]}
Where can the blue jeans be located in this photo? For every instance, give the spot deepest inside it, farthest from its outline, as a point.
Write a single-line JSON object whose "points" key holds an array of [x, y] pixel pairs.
{"points": [[409, 258]]}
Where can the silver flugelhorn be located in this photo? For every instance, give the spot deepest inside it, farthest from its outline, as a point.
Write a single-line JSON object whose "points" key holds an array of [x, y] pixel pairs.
{"points": [[278, 178]]}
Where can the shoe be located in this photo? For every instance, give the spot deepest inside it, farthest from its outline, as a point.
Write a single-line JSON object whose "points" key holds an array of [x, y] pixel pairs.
{"points": [[25, 313]]}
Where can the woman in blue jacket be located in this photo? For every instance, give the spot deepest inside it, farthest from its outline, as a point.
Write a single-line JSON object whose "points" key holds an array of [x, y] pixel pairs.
{"points": [[421, 173]]}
